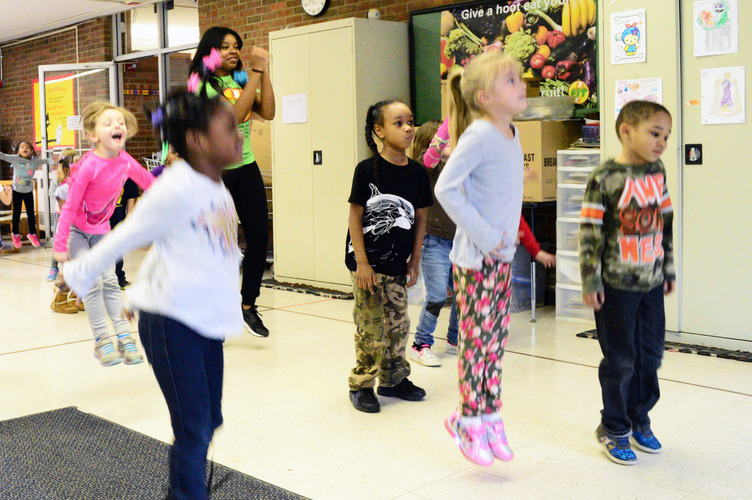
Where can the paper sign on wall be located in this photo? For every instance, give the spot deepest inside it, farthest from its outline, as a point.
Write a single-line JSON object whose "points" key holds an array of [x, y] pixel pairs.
{"points": [[629, 37], [638, 89], [73, 122], [716, 27], [723, 95], [295, 108]]}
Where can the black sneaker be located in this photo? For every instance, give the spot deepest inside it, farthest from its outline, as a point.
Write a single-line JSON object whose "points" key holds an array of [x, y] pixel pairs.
{"points": [[404, 390], [124, 283], [253, 323], [365, 400]]}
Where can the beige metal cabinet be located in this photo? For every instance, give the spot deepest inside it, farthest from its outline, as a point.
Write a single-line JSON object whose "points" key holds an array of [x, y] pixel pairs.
{"points": [[333, 71]]}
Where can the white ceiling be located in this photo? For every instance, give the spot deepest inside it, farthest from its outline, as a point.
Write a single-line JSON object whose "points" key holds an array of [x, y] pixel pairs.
{"points": [[24, 18]]}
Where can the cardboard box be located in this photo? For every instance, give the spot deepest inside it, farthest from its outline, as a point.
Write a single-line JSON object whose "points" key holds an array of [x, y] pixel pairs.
{"points": [[540, 139], [261, 143]]}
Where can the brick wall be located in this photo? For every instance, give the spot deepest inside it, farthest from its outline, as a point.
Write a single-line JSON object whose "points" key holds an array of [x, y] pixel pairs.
{"points": [[141, 86], [254, 19], [20, 67]]}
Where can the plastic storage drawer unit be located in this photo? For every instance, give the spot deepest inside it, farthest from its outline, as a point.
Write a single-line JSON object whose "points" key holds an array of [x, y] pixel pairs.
{"points": [[569, 303], [568, 234], [569, 200], [568, 268], [573, 175], [589, 158]]}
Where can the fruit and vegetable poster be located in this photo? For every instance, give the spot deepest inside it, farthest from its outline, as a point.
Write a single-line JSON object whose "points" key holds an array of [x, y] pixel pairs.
{"points": [[554, 40], [723, 95], [716, 27], [628, 37]]}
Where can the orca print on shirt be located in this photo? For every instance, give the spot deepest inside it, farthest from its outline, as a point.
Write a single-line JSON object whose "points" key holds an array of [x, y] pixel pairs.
{"points": [[382, 215]]}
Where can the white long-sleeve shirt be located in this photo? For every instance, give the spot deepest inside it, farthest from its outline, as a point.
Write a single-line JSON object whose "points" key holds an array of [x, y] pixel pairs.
{"points": [[480, 189], [191, 274]]}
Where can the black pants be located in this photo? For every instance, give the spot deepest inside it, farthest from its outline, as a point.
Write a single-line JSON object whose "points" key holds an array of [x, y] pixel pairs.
{"points": [[247, 189], [28, 200], [118, 216], [631, 331]]}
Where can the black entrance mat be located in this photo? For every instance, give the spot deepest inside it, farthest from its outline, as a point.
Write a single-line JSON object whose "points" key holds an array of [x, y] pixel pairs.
{"points": [[692, 349], [68, 454], [301, 288]]}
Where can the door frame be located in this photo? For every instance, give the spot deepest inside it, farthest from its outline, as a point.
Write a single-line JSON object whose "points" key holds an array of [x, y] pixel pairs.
{"points": [[113, 97]]}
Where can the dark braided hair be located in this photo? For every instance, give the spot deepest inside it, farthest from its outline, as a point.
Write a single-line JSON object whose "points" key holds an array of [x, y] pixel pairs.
{"points": [[180, 112], [375, 116]]}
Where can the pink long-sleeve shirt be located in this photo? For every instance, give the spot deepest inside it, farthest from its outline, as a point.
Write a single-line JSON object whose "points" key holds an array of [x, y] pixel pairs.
{"points": [[93, 193]]}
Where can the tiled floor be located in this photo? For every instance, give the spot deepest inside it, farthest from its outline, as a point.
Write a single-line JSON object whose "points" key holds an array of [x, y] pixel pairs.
{"points": [[288, 419]]}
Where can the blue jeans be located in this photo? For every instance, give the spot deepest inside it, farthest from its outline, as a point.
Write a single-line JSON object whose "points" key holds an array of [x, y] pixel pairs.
{"points": [[189, 370], [631, 332], [437, 275]]}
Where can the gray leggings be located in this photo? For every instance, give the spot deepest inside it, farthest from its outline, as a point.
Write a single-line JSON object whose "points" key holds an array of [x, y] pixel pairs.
{"points": [[105, 295]]}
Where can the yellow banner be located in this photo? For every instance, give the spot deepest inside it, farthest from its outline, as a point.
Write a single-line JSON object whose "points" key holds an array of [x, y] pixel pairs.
{"points": [[60, 105]]}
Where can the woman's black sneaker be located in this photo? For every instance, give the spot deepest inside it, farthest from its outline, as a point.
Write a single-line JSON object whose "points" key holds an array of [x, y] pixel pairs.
{"points": [[253, 322]]}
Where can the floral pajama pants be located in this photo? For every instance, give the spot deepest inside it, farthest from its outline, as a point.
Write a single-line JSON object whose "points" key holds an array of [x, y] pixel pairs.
{"points": [[483, 301]]}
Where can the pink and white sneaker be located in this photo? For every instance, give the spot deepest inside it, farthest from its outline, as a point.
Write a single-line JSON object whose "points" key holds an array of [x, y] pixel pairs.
{"points": [[470, 439], [34, 239], [16, 240], [497, 440]]}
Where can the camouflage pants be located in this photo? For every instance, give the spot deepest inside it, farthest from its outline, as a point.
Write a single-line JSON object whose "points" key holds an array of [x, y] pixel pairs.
{"points": [[483, 300], [381, 337]]}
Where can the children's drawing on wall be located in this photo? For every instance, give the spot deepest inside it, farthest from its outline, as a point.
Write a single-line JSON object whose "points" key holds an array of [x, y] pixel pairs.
{"points": [[716, 27], [723, 97], [640, 89], [629, 37]]}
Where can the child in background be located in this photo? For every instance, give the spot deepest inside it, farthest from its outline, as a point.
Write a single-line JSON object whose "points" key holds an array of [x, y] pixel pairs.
{"points": [[627, 266], [434, 263], [24, 164], [91, 199], [388, 200], [172, 156], [125, 203], [6, 198], [481, 190], [185, 311], [60, 178]]}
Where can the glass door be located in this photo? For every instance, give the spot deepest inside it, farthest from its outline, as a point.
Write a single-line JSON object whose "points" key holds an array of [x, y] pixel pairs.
{"points": [[58, 103]]}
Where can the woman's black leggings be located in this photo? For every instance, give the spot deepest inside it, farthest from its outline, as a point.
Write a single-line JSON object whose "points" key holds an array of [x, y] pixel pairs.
{"points": [[247, 189], [28, 200]]}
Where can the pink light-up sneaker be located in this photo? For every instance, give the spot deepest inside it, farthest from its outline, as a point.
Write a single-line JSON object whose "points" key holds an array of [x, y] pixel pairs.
{"points": [[16, 240], [471, 440], [497, 440], [34, 239]]}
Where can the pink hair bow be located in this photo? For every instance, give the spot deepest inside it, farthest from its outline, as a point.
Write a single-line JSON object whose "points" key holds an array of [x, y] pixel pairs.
{"points": [[193, 81], [213, 60]]}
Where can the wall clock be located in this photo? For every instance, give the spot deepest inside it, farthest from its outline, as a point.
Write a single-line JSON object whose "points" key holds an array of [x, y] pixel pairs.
{"points": [[315, 8]]}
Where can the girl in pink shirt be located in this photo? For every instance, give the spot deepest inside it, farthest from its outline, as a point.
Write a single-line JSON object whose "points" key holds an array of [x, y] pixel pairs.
{"points": [[84, 220]]}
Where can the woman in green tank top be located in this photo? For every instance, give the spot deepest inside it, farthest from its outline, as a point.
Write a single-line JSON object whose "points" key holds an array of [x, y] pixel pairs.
{"points": [[250, 93]]}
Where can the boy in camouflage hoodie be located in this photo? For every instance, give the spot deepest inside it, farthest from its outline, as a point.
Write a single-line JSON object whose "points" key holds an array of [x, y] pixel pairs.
{"points": [[627, 265]]}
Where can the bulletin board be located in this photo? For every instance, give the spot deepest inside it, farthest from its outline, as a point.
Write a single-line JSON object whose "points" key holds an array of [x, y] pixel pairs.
{"points": [[554, 40]]}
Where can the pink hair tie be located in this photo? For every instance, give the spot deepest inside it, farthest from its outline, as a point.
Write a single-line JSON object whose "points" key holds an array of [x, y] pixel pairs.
{"points": [[212, 61], [193, 83]]}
